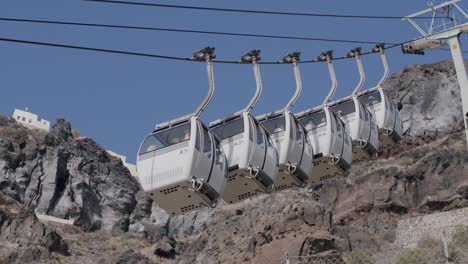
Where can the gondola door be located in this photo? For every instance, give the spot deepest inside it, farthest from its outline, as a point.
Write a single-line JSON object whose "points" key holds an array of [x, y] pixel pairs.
{"points": [[337, 133], [398, 129], [390, 116], [296, 139], [259, 145], [204, 150], [364, 122]]}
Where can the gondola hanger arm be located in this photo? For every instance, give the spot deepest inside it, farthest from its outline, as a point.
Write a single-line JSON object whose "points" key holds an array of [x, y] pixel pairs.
{"points": [[328, 57], [207, 55], [253, 57], [356, 53], [294, 58]]}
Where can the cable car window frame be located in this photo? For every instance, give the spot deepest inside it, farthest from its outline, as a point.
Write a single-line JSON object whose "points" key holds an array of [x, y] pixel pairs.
{"points": [[391, 105], [207, 143], [260, 136], [291, 129], [365, 99], [366, 114], [299, 133], [184, 137], [338, 124], [311, 117], [278, 120], [219, 157], [344, 109], [251, 131], [236, 123]]}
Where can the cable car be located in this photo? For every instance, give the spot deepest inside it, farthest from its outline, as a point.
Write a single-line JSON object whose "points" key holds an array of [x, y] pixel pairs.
{"points": [[383, 108], [295, 152], [328, 135], [359, 121], [251, 156], [180, 163]]}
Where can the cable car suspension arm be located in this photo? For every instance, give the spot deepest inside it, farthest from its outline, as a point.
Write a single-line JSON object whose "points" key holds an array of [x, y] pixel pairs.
{"points": [[207, 55], [356, 53], [253, 57], [328, 57], [294, 58]]}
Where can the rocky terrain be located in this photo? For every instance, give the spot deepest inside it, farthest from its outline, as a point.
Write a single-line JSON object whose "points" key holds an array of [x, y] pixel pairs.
{"points": [[430, 97], [73, 178]]}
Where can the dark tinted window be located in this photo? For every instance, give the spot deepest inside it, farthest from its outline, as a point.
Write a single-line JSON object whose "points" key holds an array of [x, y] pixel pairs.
{"points": [[275, 125], [206, 142], [229, 129], [366, 115], [339, 124], [165, 138], [344, 109], [315, 120], [259, 135], [371, 99], [299, 132]]}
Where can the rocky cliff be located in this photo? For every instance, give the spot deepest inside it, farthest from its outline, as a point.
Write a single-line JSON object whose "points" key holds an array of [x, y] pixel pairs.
{"points": [[69, 178], [115, 222], [23, 237], [430, 97]]}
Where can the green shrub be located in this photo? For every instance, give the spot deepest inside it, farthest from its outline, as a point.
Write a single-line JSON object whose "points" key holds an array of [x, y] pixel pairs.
{"points": [[414, 256], [360, 257], [458, 245]]}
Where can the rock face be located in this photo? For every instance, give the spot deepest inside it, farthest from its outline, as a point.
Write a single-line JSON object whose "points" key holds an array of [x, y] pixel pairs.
{"points": [[24, 238], [70, 178], [66, 178], [430, 96]]}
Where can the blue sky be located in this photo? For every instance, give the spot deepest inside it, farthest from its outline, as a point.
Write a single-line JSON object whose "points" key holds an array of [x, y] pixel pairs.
{"points": [[117, 99]]}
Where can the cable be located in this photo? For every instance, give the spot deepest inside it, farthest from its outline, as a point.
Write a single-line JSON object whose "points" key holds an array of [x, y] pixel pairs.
{"points": [[251, 11], [186, 31], [93, 49], [56, 45]]}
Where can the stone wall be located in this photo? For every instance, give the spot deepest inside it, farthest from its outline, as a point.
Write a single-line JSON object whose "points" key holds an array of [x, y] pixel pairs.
{"points": [[438, 225]]}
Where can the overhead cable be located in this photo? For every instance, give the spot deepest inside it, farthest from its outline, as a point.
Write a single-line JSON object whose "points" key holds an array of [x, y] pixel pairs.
{"points": [[215, 9], [167, 57], [67, 23]]}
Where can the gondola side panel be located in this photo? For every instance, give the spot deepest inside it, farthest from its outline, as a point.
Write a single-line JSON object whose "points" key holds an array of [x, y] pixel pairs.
{"points": [[271, 166], [145, 171], [219, 174], [337, 135]]}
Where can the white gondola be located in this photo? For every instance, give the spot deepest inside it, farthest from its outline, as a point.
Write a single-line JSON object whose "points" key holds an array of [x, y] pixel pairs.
{"points": [[252, 158], [181, 164], [328, 134], [359, 121], [295, 152], [383, 109]]}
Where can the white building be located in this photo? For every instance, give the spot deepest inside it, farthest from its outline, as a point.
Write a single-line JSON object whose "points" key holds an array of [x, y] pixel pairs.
{"points": [[130, 167], [31, 120]]}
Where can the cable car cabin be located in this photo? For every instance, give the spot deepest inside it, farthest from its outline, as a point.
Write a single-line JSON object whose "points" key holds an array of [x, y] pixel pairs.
{"points": [[181, 165], [295, 152], [386, 115], [252, 158], [331, 143], [361, 126]]}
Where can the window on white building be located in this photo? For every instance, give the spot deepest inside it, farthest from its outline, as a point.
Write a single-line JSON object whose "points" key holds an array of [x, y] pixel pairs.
{"points": [[24, 119]]}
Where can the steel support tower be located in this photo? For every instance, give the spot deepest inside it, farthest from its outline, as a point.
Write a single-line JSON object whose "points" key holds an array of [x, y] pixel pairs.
{"points": [[444, 31]]}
